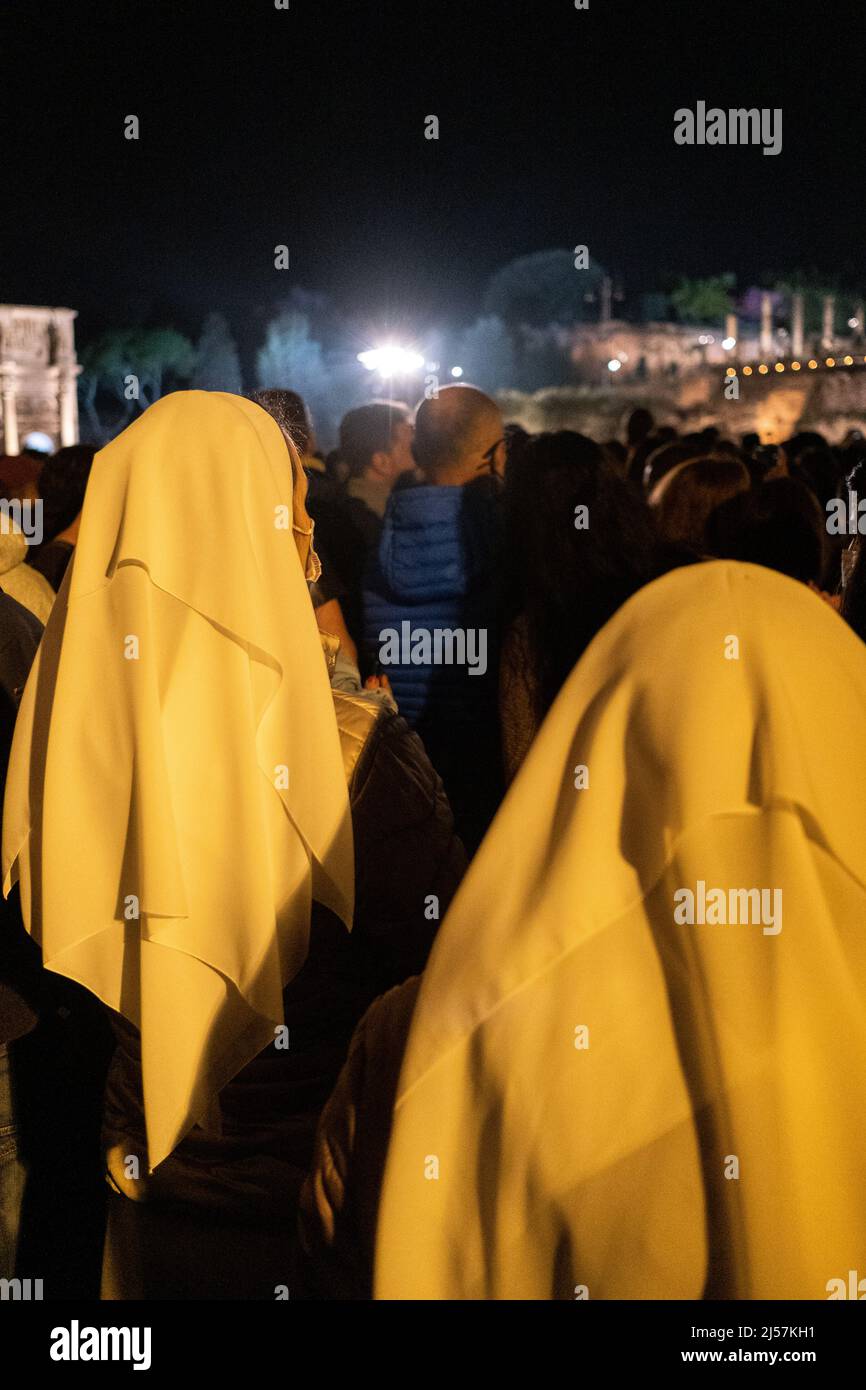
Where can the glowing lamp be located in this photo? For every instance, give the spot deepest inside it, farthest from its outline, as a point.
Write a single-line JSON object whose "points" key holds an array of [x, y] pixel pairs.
{"points": [[391, 360]]}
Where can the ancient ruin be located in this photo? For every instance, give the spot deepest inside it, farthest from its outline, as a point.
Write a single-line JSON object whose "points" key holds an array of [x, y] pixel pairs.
{"points": [[38, 371]]}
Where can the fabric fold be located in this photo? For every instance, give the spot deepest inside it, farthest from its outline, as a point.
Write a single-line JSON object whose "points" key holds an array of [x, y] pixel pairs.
{"points": [[599, 1098]]}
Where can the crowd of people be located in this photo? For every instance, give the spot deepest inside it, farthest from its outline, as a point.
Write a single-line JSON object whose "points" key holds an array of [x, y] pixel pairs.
{"points": [[346, 802]]}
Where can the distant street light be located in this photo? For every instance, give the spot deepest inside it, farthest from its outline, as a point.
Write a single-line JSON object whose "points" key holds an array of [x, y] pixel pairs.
{"points": [[614, 364], [728, 343], [391, 360], [456, 371]]}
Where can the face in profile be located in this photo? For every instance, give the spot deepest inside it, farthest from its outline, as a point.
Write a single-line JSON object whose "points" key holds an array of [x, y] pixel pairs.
{"points": [[400, 452], [302, 522]]}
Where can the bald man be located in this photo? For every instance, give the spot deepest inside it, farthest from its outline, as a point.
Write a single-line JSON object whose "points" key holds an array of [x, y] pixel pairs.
{"points": [[459, 436], [431, 598]]}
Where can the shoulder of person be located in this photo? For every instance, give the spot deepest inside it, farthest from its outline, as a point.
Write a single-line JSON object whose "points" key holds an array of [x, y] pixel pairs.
{"points": [[360, 719], [384, 758]]}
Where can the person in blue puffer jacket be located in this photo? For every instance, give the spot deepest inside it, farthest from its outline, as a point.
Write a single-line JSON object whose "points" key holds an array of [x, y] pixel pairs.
{"points": [[432, 598]]}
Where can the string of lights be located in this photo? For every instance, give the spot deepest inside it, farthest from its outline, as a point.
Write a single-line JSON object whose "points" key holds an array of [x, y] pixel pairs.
{"points": [[794, 365]]}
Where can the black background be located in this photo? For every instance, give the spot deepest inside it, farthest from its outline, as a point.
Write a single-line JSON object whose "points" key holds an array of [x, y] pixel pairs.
{"points": [[305, 127]]}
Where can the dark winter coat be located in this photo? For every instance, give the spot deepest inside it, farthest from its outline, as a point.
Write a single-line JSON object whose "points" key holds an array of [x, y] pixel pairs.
{"points": [[408, 866]]}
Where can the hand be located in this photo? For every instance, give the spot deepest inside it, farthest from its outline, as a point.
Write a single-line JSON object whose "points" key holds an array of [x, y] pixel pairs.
{"points": [[378, 683]]}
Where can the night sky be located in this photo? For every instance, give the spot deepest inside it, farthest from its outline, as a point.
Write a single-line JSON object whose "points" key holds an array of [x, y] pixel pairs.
{"points": [[305, 127]]}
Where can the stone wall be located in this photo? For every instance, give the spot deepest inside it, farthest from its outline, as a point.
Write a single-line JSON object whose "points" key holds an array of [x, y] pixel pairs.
{"points": [[38, 372], [831, 401]]}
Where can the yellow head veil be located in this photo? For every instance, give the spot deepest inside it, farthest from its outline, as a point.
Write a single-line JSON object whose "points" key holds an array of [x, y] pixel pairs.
{"points": [[175, 795], [599, 1099]]}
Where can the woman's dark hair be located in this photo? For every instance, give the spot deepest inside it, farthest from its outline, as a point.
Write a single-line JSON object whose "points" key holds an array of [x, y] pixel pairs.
{"points": [[516, 438], [853, 608], [667, 457], [687, 495], [778, 524], [62, 485], [565, 580], [665, 434], [819, 470]]}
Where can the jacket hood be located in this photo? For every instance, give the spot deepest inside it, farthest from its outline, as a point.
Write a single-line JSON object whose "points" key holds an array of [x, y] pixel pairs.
{"points": [[13, 549]]}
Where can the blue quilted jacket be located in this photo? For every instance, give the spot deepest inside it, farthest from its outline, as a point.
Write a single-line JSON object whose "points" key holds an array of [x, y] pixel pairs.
{"points": [[436, 568]]}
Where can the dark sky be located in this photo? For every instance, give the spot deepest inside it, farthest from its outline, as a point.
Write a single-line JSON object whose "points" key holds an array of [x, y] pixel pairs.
{"points": [[261, 126]]}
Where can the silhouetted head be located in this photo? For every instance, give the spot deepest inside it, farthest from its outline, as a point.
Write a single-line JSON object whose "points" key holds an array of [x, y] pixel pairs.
{"points": [[579, 543], [778, 524], [459, 436], [641, 452], [640, 424], [617, 455], [62, 484], [19, 476], [376, 441], [819, 470], [666, 457], [853, 608], [806, 439], [685, 497]]}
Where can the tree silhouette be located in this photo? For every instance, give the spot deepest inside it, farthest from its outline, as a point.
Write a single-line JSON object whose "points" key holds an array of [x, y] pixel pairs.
{"points": [[486, 354], [544, 288], [217, 365]]}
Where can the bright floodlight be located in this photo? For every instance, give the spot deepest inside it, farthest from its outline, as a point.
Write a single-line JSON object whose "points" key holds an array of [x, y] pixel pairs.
{"points": [[728, 343], [391, 360], [614, 364], [456, 371]]}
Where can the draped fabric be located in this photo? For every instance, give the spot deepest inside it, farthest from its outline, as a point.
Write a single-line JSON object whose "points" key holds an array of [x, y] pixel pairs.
{"points": [[607, 1092], [176, 797]]}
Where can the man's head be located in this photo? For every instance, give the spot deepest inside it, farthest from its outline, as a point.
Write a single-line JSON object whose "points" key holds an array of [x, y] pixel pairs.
{"points": [[62, 484], [640, 424], [376, 441], [459, 436], [778, 524]]}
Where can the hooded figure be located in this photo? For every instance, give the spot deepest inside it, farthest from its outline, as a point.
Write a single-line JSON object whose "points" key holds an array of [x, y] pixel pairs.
{"points": [[18, 579], [635, 1069], [176, 795]]}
